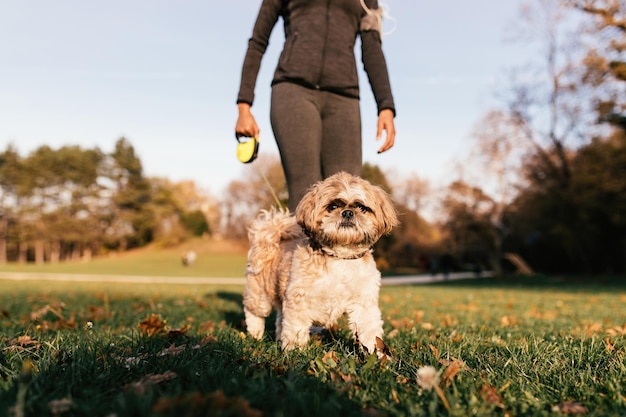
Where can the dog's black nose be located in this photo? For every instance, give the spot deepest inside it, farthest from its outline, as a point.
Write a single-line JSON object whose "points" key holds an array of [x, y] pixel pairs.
{"points": [[347, 214]]}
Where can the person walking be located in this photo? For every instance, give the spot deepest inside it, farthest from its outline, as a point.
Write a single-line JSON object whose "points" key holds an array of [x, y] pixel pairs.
{"points": [[314, 111]]}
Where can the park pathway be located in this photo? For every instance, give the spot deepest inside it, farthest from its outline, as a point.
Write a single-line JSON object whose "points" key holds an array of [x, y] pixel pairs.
{"points": [[134, 279]]}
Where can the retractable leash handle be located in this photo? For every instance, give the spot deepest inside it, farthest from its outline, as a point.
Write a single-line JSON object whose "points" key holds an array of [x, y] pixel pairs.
{"points": [[247, 150]]}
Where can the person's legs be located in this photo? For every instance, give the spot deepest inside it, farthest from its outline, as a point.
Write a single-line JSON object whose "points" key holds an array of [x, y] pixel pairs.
{"points": [[297, 126], [341, 135]]}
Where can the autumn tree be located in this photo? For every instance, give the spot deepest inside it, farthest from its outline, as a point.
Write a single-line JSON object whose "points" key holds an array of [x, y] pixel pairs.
{"points": [[262, 186], [604, 63], [10, 174], [555, 217]]}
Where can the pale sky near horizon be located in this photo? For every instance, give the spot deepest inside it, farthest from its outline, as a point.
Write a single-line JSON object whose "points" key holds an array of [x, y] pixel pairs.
{"points": [[165, 75]]}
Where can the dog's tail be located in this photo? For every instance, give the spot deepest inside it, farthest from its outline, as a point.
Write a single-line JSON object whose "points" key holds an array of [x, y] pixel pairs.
{"points": [[266, 234]]}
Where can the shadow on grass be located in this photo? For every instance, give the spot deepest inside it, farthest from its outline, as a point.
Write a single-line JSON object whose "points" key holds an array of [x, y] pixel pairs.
{"points": [[143, 376]]}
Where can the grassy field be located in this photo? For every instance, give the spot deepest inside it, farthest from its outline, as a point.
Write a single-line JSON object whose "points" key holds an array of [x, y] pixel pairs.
{"points": [[511, 348], [215, 259]]}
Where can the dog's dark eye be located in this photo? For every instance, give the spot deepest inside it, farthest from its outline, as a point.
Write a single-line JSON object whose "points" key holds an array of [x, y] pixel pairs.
{"points": [[334, 205], [363, 208]]}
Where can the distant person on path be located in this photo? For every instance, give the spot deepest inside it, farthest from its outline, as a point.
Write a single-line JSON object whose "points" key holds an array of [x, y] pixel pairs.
{"points": [[315, 113]]}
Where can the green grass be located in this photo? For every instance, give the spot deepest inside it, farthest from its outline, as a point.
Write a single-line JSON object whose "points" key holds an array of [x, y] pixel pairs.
{"points": [[500, 348], [150, 261]]}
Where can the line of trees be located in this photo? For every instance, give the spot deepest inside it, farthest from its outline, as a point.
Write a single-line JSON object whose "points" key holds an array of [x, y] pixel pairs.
{"points": [[546, 180], [551, 162], [72, 203]]}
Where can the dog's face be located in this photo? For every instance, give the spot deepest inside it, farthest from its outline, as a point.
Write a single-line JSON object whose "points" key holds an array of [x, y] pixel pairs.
{"points": [[346, 214]]}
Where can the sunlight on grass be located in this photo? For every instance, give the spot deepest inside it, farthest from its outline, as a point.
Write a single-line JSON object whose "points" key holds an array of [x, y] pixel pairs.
{"points": [[491, 347], [145, 262]]}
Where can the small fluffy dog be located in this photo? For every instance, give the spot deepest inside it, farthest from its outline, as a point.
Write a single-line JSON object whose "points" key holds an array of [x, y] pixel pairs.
{"points": [[317, 265]]}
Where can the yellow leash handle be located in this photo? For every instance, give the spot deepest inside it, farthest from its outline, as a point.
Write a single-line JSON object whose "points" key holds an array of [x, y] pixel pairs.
{"points": [[247, 150]]}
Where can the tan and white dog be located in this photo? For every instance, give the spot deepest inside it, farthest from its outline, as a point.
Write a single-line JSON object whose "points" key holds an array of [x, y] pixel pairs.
{"points": [[316, 265]]}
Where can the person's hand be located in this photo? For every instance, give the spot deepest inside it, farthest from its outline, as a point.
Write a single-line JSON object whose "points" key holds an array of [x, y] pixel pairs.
{"points": [[246, 125], [385, 122]]}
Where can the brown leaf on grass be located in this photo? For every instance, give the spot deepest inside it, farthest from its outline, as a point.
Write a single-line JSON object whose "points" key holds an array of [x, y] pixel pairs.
{"points": [[174, 350], [402, 324], [174, 333], [506, 321], [617, 331], [21, 343], [208, 339], [152, 324], [25, 340], [545, 315], [570, 407], [373, 412], [140, 387], [96, 313], [330, 359], [56, 319], [211, 326], [453, 368], [609, 346], [490, 395], [197, 404], [590, 329], [382, 348], [4, 314], [59, 407], [434, 350], [395, 397]]}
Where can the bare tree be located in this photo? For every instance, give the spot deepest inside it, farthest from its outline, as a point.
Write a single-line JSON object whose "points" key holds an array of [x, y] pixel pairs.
{"points": [[262, 186], [544, 100]]}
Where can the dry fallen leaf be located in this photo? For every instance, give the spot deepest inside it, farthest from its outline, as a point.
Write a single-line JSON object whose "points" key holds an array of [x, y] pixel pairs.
{"points": [[148, 381], [382, 349], [214, 404], [59, 407], [174, 334], [570, 407], [452, 370], [22, 343], [490, 395], [435, 350], [617, 331], [152, 324], [402, 324]]}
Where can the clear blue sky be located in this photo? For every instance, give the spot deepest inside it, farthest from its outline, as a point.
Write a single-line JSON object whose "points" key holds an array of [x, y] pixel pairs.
{"points": [[165, 74]]}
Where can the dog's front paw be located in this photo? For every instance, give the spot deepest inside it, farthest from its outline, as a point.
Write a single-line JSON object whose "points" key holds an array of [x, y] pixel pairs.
{"points": [[291, 339], [255, 325]]}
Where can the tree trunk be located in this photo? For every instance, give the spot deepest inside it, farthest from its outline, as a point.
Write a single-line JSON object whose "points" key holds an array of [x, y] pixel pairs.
{"points": [[76, 252], [4, 225], [55, 252], [39, 251], [23, 252]]}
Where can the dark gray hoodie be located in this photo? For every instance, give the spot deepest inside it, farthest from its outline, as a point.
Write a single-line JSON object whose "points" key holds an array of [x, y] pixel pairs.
{"points": [[319, 48]]}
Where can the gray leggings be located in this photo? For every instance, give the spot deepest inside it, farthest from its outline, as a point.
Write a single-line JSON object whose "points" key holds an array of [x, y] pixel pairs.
{"points": [[318, 134]]}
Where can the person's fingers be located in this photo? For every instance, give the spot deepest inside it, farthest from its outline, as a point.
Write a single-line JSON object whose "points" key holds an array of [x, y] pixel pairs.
{"points": [[385, 123], [246, 126]]}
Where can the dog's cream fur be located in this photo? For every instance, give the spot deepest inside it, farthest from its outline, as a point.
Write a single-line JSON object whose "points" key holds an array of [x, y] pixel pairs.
{"points": [[317, 265]]}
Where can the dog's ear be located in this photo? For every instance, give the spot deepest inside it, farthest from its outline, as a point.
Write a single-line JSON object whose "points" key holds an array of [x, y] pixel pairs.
{"points": [[306, 210], [386, 214]]}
